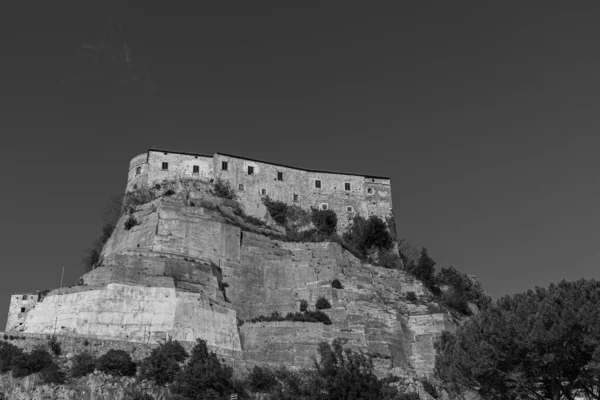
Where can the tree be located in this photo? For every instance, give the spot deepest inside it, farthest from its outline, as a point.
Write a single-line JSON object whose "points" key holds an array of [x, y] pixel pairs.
{"points": [[325, 221], [163, 362], [366, 234], [424, 271], [343, 374], [541, 344], [116, 362], [204, 376]]}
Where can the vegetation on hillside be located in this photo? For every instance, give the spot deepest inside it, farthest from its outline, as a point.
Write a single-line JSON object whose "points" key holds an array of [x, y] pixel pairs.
{"points": [[541, 344]]}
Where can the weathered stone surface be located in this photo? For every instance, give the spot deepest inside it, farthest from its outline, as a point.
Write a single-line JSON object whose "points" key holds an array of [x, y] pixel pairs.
{"points": [[96, 386], [187, 273]]}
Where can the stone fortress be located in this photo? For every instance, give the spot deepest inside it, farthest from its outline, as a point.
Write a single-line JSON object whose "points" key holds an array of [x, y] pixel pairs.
{"points": [[191, 267], [253, 180]]}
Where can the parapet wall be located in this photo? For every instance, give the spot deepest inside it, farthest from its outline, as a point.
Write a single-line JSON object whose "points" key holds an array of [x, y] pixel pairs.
{"points": [[252, 181], [136, 314]]}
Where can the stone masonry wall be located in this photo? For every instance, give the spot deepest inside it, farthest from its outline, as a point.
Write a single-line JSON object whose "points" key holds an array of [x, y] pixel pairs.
{"points": [[365, 196], [20, 305], [135, 314]]}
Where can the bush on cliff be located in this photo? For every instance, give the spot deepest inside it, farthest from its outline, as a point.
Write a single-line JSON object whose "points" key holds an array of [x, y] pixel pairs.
{"points": [[336, 284], [277, 209], [130, 222], [204, 376], [261, 379], [307, 316], [366, 234], [424, 271], [53, 374], [462, 291], [322, 303], [83, 364], [303, 305], [8, 354], [163, 363], [325, 221], [31, 363], [223, 189], [117, 363], [54, 346]]}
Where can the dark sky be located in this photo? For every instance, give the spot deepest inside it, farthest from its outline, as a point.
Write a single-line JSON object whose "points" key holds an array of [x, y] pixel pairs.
{"points": [[485, 115]]}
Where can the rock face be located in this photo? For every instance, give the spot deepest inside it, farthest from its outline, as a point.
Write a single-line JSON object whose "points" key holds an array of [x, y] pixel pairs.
{"points": [[190, 272], [96, 386]]}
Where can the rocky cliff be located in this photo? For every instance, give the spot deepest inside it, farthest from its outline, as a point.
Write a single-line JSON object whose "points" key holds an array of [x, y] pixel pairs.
{"points": [[192, 266]]}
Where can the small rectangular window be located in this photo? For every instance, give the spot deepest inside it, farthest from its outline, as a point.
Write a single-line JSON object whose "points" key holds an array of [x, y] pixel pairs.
{"points": [[250, 170], [324, 206], [196, 169], [241, 186], [263, 192], [369, 191], [165, 165], [22, 309], [24, 297], [296, 197], [279, 176], [224, 165], [346, 186], [318, 184], [138, 170]]}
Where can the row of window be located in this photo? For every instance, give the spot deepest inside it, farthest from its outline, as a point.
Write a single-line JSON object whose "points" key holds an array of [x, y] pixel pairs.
{"points": [[225, 166]]}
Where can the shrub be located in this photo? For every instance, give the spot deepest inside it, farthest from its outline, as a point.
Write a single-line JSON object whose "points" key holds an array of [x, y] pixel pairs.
{"points": [[204, 376], [8, 354], [5, 336], [336, 284], [322, 303], [389, 259], [116, 362], [430, 389], [162, 364], [307, 316], [261, 379], [411, 296], [365, 234], [303, 305], [55, 346], [31, 363], [130, 222], [463, 289], [53, 374], [83, 364], [134, 394], [424, 271], [223, 189], [277, 209], [325, 221], [347, 374], [169, 192]]}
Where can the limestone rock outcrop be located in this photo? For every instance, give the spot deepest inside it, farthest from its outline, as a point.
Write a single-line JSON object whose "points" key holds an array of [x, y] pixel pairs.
{"points": [[191, 267]]}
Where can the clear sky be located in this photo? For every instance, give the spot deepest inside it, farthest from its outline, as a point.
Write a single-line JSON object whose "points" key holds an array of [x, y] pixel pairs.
{"points": [[485, 115]]}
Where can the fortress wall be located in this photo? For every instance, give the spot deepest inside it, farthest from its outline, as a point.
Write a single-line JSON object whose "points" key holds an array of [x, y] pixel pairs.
{"points": [[137, 178], [367, 195], [180, 166], [19, 306], [302, 183], [136, 314]]}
